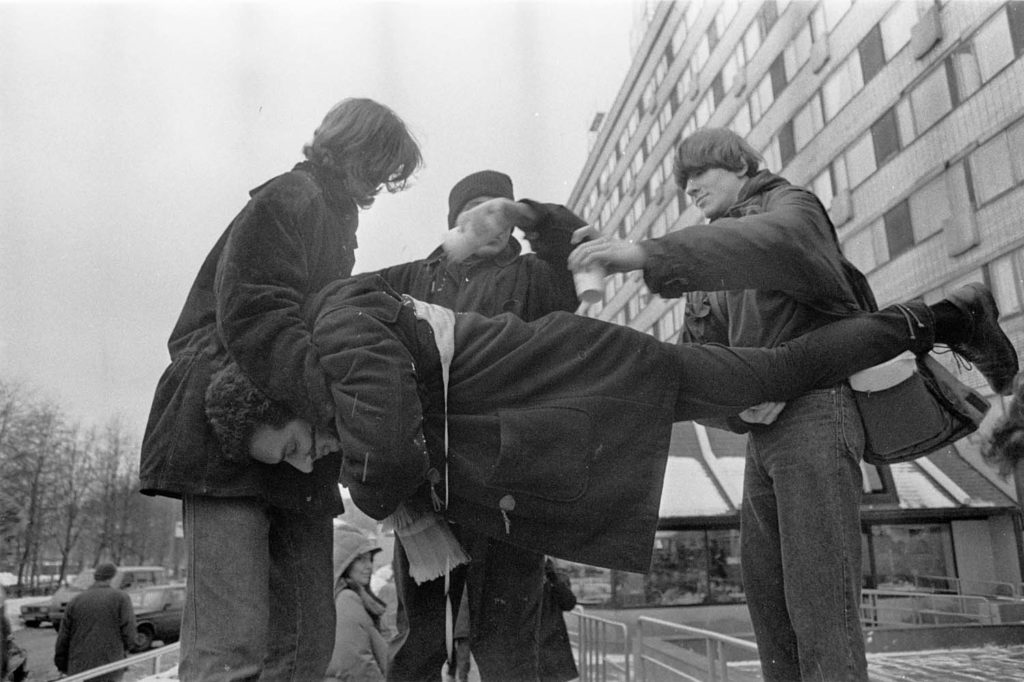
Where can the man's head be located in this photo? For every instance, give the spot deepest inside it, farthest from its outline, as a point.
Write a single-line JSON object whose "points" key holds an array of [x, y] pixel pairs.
{"points": [[104, 573], [249, 425], [712, 165], [367, 145], [476, 188]]}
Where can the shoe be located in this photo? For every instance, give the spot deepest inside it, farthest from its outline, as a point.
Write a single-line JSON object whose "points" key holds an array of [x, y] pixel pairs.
{"points": [[987, 347]]}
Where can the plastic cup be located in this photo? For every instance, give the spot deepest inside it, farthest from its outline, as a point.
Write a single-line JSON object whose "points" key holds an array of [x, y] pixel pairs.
{"points": [[589, 284]]}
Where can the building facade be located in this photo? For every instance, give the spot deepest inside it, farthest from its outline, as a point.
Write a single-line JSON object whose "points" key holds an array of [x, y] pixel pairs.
{"points": [[906, 119]]}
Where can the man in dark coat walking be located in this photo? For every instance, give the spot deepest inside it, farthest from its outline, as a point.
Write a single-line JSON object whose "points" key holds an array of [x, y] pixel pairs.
{"points": [[98, 627]]}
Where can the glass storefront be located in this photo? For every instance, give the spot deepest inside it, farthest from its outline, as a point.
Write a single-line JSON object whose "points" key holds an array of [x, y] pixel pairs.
{"points": [[691, 567]]}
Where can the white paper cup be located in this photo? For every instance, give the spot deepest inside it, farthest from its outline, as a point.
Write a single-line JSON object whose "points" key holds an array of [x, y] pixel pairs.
{"points": [[589, 284]]}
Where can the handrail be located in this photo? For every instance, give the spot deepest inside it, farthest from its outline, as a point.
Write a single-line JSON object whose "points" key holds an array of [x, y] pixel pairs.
{"points": [[153, 655], [715, 664], [999, 587], [924, 603], [594, 651]]}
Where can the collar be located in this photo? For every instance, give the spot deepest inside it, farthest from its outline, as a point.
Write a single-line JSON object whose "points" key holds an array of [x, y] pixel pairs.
{"points": [[507, 256]]}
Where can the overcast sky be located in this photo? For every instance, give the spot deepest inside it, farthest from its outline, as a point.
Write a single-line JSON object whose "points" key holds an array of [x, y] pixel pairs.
{"points": [[130, 134]]}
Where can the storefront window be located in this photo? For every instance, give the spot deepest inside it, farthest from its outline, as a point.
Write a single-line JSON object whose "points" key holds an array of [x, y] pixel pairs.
{"points": [[909, 556]]}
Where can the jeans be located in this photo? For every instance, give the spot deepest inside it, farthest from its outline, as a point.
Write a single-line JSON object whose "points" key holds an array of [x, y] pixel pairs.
{"points": [[259, 601], [505, 584], [801, 542]]}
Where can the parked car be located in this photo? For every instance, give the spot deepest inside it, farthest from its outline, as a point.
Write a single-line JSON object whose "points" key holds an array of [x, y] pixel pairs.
{"points": [[127, 578], [158, 614], [34, 614]]}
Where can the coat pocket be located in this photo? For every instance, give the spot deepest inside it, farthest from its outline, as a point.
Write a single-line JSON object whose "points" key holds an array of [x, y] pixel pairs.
{"points": [[544, 452]]}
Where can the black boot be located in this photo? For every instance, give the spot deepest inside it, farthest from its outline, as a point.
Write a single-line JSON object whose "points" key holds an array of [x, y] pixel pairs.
{"points": [[985, 345]]}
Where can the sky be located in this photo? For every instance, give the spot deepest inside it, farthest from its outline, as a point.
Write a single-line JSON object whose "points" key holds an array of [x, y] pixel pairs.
{"points": [[131, 133]]}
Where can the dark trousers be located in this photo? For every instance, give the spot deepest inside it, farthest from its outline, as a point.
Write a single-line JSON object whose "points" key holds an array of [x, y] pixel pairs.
{"points": [[505, 586]]}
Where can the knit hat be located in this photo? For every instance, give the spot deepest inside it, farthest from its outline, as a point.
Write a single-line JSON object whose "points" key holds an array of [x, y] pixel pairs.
{"points": [[104, 571], [486, 183], [349, 543]]}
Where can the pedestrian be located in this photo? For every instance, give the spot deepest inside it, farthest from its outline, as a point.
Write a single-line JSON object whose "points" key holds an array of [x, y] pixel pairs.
{"points": [[258, 537], [765, 269], [503, 581], [360, 650], [557, 663], [98, 628], [532, 431]]}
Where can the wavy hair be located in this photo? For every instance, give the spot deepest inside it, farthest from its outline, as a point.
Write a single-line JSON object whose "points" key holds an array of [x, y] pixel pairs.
{"points": [[367, 146], [236, 407], [713, 148]]}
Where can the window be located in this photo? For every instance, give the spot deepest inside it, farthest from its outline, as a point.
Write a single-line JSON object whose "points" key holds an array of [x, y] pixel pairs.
{"points": [[787, 147], [899, 234], [905, 121], [741, 122], [991, 169], [777, 71], [995, 46], [840, 87], [647, 99], [823, 188], [808, 121], [860, 160], [772, 155], [1006, 274], [963, 72], [704, 110], [902, 554], [1015, 139], [872, 55], [798, 50], [751, 41], [859, 249], [885, 137], [717, 90], [700, 55], [930, 208], [695, 567], [761, 99], [931, 99]]}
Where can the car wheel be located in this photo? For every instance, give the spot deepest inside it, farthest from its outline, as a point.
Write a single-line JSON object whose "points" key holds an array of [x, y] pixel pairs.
{"points": [[144, 638]]}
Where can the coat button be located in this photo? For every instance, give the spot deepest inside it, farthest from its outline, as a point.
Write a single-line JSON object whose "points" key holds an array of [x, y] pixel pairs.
{"points": [[507, 503], [433, 476]]}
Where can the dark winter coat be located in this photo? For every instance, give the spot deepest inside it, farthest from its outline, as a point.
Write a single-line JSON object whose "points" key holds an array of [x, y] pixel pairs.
{"points": [[98, 627], [543, 453], [296, 234], [526, 285], [767, 271], [556, 662]]}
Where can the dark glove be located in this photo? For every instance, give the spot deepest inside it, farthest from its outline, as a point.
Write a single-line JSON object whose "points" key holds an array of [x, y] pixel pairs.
{"points": [[550, 233]]}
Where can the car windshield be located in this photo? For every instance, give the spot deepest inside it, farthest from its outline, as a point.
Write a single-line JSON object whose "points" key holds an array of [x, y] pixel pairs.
{"points": [[148, 599]]}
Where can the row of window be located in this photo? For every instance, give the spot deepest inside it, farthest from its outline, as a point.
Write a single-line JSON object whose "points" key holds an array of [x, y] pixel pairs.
{"points": [[944, 205], [693, 567]]}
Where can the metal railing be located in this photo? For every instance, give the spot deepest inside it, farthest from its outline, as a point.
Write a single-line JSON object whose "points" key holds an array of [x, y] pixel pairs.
{"points": [[966, 586], [895, 607], [603, 653], [153, 660], [670, 651]]}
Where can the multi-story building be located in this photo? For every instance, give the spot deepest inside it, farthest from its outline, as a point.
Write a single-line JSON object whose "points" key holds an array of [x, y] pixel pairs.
{"points": [[907, 120]]}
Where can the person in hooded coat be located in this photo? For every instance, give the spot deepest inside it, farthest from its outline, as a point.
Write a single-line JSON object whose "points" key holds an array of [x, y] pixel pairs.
{"points": [[360, 650]]}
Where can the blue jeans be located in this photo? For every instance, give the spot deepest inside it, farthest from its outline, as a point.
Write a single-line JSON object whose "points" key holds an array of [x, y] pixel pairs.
{"points": [[801, 542], [259, 602]]}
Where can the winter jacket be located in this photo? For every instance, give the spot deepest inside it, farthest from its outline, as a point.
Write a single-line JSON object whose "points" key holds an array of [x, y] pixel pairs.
{"points": [[770, 269], [360, 652], [526, 285], [296, 233], [98, 627], [542, 454]]}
